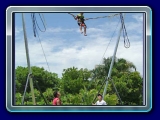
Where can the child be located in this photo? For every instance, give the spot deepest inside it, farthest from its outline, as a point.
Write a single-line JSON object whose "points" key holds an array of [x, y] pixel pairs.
{"points": [[80, 19]]}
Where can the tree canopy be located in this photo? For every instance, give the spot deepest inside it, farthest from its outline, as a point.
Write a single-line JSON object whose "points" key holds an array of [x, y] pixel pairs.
{"points": [[80, 86]]}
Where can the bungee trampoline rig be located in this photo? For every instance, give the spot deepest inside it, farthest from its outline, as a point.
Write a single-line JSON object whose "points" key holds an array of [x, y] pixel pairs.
{"points": [[108, 78]]}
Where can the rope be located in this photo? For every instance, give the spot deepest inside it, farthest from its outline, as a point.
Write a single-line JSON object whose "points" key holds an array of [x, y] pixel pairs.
{"points": [[43, 50], [41, 92], [109, 16], [109, 42], [35, 23], [35, 31], [116, 91], [44, 19], [42, 22], [126, 40]]}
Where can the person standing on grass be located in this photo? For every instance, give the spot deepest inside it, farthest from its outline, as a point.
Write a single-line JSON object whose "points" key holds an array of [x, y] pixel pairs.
{"points": [[57, 100], [100, 100]]}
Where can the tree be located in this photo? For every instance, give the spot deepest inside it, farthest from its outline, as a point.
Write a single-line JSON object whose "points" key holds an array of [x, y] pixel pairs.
{"points": [[127, 81], [130, 88], [44, 78], [74, 79], [80, 86]]}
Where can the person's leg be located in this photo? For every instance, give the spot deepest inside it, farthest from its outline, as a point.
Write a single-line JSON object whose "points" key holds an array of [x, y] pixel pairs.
{"points": [[85, 30], [80, 27]]}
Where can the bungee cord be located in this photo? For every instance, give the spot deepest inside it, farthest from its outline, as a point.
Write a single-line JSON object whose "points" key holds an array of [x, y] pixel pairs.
{"points": [[109, 16], [36, 32], [125, 36], [35, 23], [109, 42]]}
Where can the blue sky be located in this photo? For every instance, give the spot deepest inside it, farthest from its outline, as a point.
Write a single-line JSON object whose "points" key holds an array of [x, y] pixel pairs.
{"points": [[65, 47]]}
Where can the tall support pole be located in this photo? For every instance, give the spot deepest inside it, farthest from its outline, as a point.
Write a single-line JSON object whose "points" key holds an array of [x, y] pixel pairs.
{"points": [[28, 60], [113, 57]]}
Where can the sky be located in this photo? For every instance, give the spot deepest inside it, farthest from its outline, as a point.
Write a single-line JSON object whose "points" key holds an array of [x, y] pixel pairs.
{"points": [[64, 46]]}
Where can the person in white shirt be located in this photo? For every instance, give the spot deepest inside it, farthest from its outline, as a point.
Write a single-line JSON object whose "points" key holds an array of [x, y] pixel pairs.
{"points": [[100, 100]]}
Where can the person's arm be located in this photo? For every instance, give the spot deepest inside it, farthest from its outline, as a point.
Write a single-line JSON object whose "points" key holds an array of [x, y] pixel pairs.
{"points": [[94, 104], [75, 17], [104, 103], [58, 102]]}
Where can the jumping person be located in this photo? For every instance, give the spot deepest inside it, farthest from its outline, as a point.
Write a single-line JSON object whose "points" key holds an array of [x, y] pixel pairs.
{"points": [[100, 100], [80, 20], [56, 100]]}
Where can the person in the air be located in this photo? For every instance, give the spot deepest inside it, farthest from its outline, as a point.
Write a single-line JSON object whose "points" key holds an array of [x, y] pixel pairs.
{"points": [[80, 20]]}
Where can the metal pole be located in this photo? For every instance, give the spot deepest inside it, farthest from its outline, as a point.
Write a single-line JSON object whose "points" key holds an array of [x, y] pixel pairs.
{"points": [[113, 57], [28, 60], [25, 89]]}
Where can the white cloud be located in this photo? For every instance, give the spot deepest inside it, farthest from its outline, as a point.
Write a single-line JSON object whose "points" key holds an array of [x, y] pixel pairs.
{"points": [[56, 30], [138, 17], [94, 30], [84, 51], [18, 31], [134, 28]]}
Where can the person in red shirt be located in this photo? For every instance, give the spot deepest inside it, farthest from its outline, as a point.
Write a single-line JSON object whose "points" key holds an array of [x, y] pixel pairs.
{"points": [[56, 100]]}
